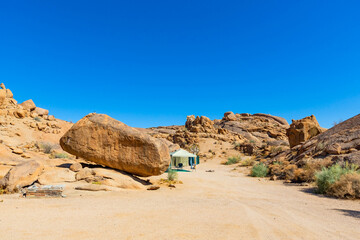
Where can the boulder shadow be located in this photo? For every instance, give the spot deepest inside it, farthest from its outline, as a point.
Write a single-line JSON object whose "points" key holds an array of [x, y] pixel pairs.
{"points": [[64, 165], [349, 213], [89, 165]]}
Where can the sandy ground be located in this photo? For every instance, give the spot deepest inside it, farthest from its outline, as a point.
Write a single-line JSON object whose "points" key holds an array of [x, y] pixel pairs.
{"points": [[224, 204]]}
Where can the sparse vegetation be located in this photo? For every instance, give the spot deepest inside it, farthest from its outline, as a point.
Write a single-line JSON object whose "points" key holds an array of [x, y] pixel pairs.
{"points": [[172, 175], [259, 170], [61, 155], [195, 149], [247, 162], [348, 186], [233, 160], [276, 150], [337, 122], [37, 119], [45, 147], [329, 176]]}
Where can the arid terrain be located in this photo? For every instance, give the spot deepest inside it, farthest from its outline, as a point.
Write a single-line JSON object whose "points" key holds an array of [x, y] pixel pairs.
{"points": [[224, 204], [109, 168]]}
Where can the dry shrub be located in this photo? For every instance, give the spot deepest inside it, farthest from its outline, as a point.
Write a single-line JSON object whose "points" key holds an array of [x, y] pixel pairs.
{"points": [[348, 186], [310, 168], [289, 171], [277, 168], [248, 162]]}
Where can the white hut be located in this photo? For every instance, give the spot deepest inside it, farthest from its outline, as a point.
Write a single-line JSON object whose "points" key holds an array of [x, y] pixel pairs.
{"points": [[182, 158]]}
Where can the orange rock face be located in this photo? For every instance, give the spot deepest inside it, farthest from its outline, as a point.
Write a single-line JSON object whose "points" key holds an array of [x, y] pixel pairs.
{"points": [[302, 130], [104, 140]]}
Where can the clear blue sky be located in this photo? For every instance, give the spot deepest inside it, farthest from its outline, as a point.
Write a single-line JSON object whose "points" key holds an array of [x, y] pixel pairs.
{"points": [[150, 63]]}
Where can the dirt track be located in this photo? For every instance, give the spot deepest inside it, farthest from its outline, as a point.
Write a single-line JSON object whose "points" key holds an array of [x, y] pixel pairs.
{"points": [[219, 205]]}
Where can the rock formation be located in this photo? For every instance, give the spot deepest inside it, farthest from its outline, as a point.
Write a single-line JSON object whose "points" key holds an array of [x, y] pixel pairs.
{"points": [[251, 134], [21, 175], [302, 130], [104, 140], [340, 143]]}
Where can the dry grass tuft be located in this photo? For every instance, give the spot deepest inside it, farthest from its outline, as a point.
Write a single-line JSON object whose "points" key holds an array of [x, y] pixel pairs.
{"points": [[348, 186]]}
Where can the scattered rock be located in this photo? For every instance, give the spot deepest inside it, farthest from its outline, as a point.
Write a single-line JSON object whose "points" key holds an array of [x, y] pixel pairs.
{"points": [[85, 174], [25, 155], [18, 151], [20, 113], [28, 105], [153, 187], [41, 111], [56, 175], [229, 116], [104, 140], [23, 174], [76, 167], [92, 187]]}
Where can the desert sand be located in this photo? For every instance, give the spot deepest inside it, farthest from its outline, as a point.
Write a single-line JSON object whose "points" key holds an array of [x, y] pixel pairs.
{"points": [[225, 204]]}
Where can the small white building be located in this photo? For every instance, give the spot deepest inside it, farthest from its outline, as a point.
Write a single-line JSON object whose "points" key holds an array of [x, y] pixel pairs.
{"points": [[182, 158]]}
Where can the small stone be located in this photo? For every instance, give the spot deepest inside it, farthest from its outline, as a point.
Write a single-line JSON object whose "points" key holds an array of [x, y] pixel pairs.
{"points": [[25, 155], [84, 174], [92, 187], [18, 151], [153, 187], [76, 167]]}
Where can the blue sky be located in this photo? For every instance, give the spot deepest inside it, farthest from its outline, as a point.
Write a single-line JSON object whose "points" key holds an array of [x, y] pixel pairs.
{"points": [[151, 63]]}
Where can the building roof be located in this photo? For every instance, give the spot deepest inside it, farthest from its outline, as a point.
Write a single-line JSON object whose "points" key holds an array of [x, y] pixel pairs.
{"points": [[182, 153]]}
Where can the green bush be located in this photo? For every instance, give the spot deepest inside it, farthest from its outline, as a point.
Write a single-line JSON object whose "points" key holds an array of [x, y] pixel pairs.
{"points": [[233, 160], [328, 176], [37, 119], [172, 175], [259, 170]]}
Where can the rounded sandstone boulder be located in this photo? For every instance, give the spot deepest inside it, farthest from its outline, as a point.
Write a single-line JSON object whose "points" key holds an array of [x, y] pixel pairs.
{"points": [[104, 140]]}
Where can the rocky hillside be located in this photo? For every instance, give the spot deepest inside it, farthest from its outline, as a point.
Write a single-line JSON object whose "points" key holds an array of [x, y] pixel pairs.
{"points": [[24, 127], [250, 134], [338, 144]]}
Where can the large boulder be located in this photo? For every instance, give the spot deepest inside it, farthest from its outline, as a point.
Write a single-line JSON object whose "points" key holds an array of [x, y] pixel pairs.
{"points": [[277, 119], [28, 105], [23, 174], [199, 124], [113, 178], [41, 111], [302, 130], [56, 175], [229, 116], [104, 140]]}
